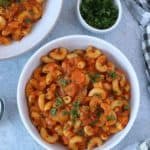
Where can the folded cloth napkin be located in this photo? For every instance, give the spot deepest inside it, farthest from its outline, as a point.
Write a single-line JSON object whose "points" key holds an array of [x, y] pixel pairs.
{"points": [[140, 9]]}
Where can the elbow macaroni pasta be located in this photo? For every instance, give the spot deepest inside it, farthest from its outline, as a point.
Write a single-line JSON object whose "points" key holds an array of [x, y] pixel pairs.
{"points": [[78, 98], [18, 18]]}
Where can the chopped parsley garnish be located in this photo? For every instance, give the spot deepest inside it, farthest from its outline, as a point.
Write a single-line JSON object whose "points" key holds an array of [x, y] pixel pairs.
{"points": [[110, 118], [112, 74], [94, 122], [75, 110], [126, 107], [95, 77], [28, 20], [74, 114], [5, 3], [63, 82], [76, 104], [53, 111], [65, 112], [57, 95], [99, 95], [100, 14], [98, 113], [31, 12], [80, 132], [59, 102], [114, 92]]}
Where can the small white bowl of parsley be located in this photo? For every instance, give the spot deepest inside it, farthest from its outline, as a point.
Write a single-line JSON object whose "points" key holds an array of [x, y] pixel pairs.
{"points": [[99, 16]]}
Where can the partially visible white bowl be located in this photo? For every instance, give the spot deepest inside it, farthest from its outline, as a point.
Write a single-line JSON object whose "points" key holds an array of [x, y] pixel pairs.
{"points": [[95, 30], [74, 42], [39, 32]]}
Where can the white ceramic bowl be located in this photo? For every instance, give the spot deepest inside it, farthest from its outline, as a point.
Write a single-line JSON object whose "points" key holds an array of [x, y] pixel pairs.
{"points": [[95, 30], [40, 30], [73, 42]]}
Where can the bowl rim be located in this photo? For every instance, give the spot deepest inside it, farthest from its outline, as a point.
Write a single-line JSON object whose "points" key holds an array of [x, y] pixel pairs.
{"points": [[38, 53], [95, 30], [39, 41]]}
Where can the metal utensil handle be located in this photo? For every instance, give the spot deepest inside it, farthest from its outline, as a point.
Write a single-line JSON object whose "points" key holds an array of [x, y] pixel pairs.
{"points": [[1, 108]]}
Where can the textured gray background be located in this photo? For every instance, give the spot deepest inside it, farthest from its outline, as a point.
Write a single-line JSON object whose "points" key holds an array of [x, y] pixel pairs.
{"points": [[14, 136]]}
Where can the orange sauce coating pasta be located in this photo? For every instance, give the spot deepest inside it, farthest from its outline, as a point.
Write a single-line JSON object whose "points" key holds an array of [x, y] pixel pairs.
{"points": [[18, 18], [78, 98]]}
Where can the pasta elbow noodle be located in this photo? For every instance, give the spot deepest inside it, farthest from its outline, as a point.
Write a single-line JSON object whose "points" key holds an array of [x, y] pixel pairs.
{"points": [[40, 1], [59, 130], [36, 13], [31, 99], [92, 52], [72, 55], [48, 106], [35, 115], [49, 78], [94, 103], [116, 103], [115, 87], [98, 85], [111, 66], [77, 124], [127, 88], [46, 59], [95, 141], [23, 16], [67, 133], [119, 126], [104, 136], [67, 99], [100, 64], [88, 130], [58, 54], [41, 101], [81, 64], [2, 22], [49, 138], [74, 141], [98, 92], [123, 80]]}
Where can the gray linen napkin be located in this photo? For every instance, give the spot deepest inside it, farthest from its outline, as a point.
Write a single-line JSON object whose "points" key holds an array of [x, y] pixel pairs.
{"points": [[140, 9]]}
